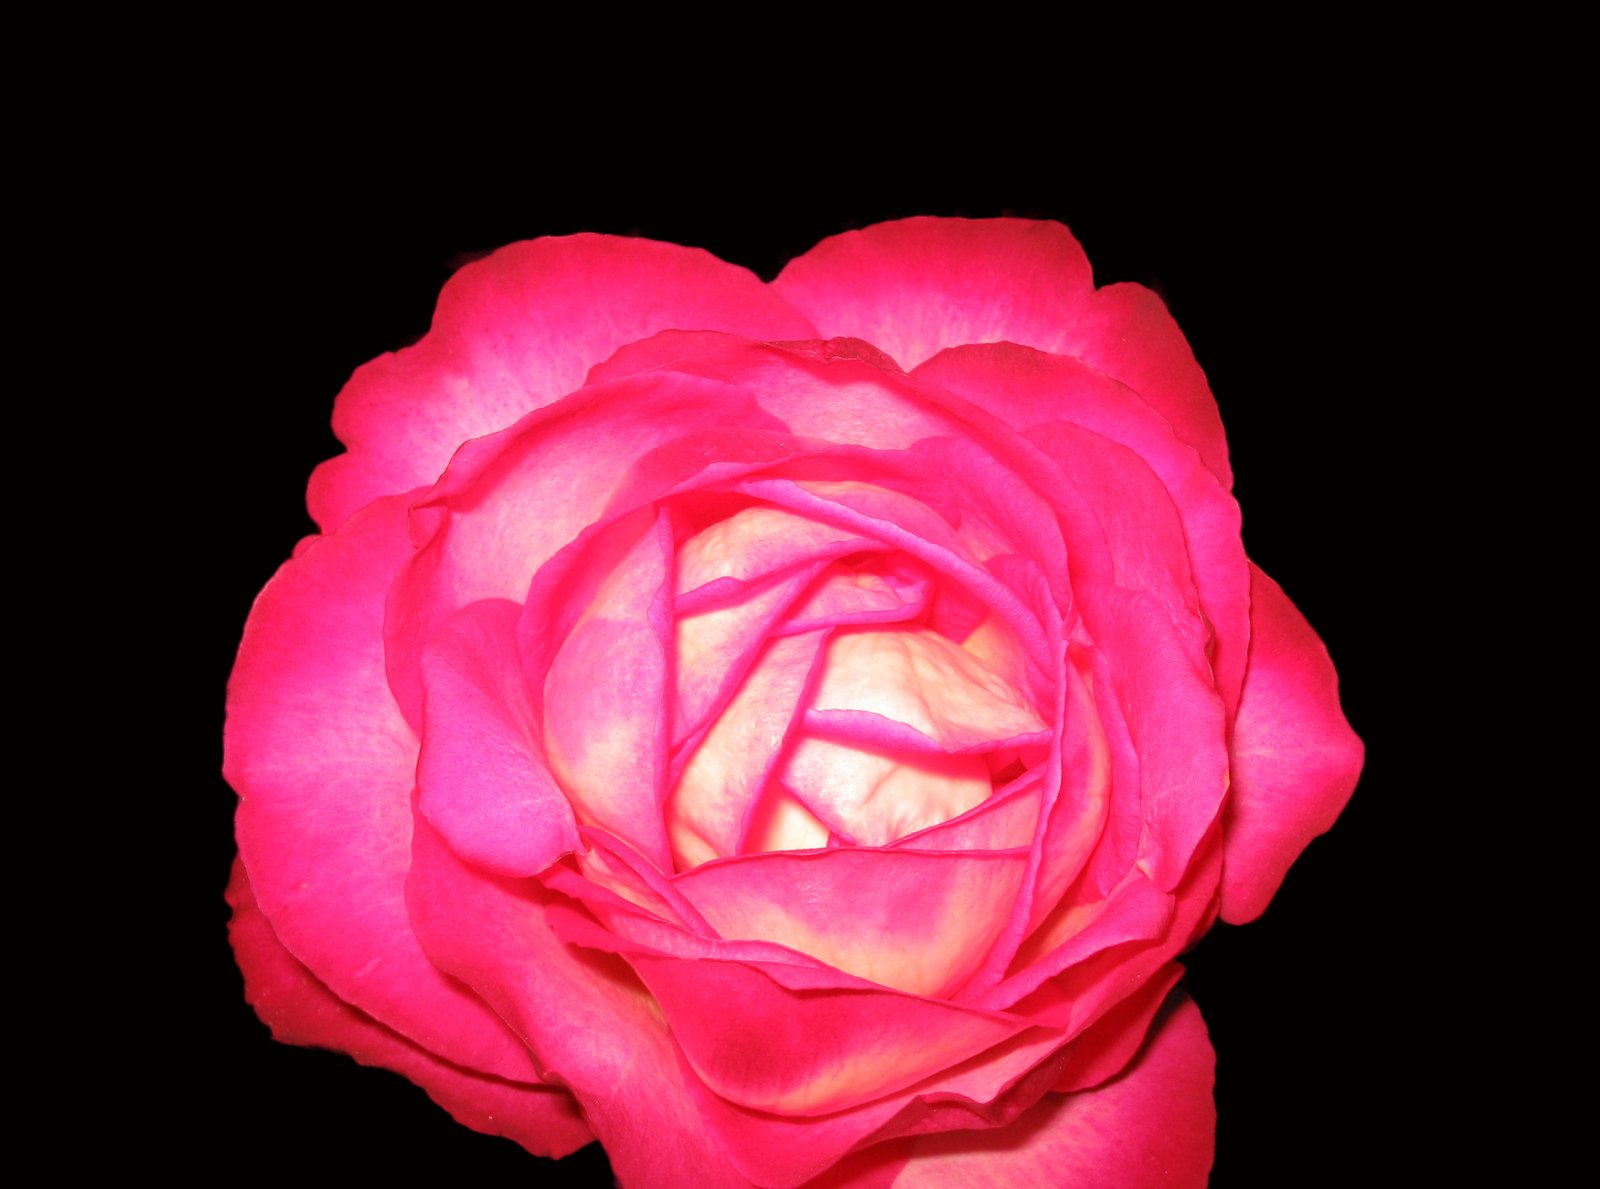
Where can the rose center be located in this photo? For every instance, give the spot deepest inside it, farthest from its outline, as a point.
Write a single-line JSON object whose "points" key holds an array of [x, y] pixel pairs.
{"points": [[847, 717]]}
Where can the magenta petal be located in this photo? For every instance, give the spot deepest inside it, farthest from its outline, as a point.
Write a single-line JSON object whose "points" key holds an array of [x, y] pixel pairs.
{"points": [[1135, 912], [513, 332], [793, 1051], [1077, 817], [917, 286], [1176, 724], [1031, 390], [1104, 1049], [1295, 758], [324, 766], [475, 537], [590, 1024], [919, 921], [483, 779], [1119, 946], [301, 1010], [1153, 1127], [989, 1090]]}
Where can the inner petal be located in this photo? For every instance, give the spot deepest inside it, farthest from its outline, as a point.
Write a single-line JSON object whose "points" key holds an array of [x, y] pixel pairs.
{"points": [[875, 588], [754, 543], [605, 699], [713, 798], [871, 796], [946, 691]]}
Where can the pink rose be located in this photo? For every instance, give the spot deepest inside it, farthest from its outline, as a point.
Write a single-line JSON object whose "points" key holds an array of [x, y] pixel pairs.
{"points": [[784, 732]]}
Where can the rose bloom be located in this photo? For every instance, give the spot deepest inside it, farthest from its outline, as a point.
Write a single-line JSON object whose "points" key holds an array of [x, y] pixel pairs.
{"points": [[784, 732]]}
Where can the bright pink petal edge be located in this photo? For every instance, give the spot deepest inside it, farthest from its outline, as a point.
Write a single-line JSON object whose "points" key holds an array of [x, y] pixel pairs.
{"points": [[301, 1010], [1295, 758]]}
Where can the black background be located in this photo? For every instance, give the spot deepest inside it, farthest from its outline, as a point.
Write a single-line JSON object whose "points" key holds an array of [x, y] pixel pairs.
{"points": [[1291, 280]]}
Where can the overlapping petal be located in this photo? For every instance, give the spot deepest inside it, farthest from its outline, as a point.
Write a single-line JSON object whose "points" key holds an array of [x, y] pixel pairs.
{"points": [[1152, 1127], [917, 286], [1295, 758], [1041, 394], [301, 1010], [324, 765], [782, 766], [590, 1025], [483, 775], [515, 331]]}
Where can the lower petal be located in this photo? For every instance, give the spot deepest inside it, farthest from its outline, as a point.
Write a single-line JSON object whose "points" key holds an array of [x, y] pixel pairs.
{"points": [[301, 1010], [1295, 758], [324, 767], [591, 1025], [1153, 1127]]}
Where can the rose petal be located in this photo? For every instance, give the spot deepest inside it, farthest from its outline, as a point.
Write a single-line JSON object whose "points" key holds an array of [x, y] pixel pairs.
{"points": [[483, 778], [1136, 911], [590, 1024], [1295, 758], [1005, 820], [324, 766], [757, 542], [1104, 1049], [1030, 389], [1114, 947], [1175, 720], [605, 698], [989, 1090], [882, 589], [1077, 814], [1017, 612], [782, 821], [710, 808], [514, 331], [871, 795], [1142, 531], [918, 921], [1074, 807], [717, 646], [917, 286], [300, 1010], [723, 616], [1152, 1127], [794, 1039], [917, 677], [474, 536]]}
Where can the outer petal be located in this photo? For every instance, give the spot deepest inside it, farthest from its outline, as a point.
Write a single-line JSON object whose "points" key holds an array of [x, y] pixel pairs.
{"points": [[1032, 390], [513, 332], [592, 1026], [301, 1010], [920, 921], [484, 778], [917, 286], [323, 764], [1295, 758], [1151, 1128]]}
